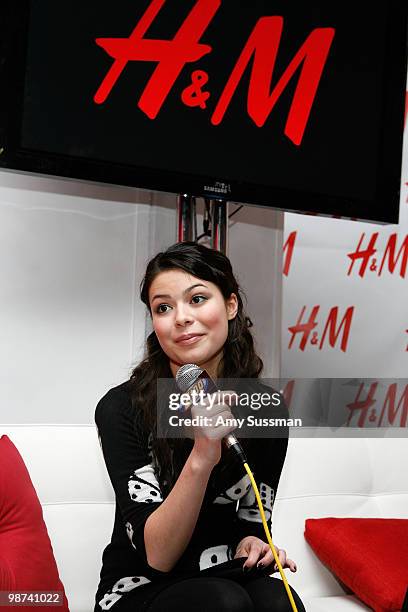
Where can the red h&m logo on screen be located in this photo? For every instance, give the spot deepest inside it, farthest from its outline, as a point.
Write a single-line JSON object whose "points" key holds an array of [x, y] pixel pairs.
{"points": [[335, 331], [261, 49], [394, 259]]}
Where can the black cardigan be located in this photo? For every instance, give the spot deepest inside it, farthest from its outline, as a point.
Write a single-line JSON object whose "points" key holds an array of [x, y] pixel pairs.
{"points": [[229, 511]]}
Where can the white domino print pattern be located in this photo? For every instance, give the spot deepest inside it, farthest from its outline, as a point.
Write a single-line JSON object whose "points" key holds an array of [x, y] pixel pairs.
{"points": [[143, 485], [214, 556], [129, 531], [124, 585], [248, 507], [237, 491]]}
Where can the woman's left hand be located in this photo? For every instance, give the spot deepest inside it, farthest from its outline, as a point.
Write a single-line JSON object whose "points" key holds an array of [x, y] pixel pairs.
{"points": [[259, 553]]}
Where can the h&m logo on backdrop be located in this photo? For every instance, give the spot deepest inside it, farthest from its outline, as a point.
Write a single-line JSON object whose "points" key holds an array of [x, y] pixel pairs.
{"points": [[362, 409], [261, 48], [288, 249], [334, 332], [396, 251], [364, 405]]}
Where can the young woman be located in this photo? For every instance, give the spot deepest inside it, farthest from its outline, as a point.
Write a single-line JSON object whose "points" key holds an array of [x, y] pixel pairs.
{"points": [[187, 533]]}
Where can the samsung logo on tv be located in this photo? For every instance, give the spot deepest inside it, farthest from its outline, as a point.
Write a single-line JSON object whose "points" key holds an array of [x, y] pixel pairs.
{"points": [[218, 187]]}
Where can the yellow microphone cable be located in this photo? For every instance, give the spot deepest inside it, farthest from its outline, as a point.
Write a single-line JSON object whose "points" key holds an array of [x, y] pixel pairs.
{"points": [[269, 538]]}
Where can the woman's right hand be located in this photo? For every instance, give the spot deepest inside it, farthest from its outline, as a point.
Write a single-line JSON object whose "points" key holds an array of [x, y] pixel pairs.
{"points": [[216, 422]]}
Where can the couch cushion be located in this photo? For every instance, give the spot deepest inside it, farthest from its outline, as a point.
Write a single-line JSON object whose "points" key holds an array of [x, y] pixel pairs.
{"points": [[368, 555], [350, 477], [67, 469], [27, 562]]}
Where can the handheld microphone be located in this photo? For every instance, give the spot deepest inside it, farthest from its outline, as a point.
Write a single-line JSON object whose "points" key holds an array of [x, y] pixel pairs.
{"points": [[190, 378]]}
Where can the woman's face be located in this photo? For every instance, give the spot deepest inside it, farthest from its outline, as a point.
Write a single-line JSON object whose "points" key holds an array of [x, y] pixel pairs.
{"points": [[190, 317]]}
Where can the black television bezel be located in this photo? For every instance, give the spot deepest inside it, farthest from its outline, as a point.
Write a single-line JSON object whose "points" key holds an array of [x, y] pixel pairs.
{"points": [[14, 19]]}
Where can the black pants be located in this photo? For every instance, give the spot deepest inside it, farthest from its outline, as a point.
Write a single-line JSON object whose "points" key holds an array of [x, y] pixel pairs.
{"points": [[212, 594], [209, 593]]}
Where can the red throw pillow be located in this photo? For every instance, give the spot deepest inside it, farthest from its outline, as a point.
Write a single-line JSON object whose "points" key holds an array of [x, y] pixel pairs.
{"points": [[369, 555], [26, 560]]}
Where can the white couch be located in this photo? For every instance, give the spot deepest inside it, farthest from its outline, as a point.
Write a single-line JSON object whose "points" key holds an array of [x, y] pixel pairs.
{"points": [[364, 477]]}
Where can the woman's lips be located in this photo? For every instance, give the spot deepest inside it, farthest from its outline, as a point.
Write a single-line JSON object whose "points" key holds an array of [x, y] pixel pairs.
{"points": [[191, 340]]}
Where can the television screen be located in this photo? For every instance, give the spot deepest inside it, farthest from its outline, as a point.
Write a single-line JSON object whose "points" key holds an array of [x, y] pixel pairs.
{"points": [[297, 106]]}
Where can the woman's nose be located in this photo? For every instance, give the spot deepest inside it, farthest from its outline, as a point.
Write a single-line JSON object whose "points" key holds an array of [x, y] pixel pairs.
{"points": [[183, 315]]}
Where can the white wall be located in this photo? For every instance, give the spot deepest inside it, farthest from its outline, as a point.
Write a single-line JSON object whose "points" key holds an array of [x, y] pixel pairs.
{"points": [[255, 250], [72, 256]]}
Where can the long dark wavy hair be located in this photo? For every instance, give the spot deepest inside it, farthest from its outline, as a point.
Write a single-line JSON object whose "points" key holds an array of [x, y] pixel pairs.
{"points": [[239, 359]]}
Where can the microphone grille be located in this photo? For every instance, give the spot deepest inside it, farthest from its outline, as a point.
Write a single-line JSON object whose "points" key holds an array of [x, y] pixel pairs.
{"points": [[187, 375]]}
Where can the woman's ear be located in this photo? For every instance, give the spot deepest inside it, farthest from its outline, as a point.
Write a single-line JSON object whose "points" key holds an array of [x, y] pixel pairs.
{"points": [[232, 306]]}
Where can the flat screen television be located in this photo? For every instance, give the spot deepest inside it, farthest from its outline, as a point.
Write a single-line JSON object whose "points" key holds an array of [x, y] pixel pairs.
{"points": [[293, 105]]}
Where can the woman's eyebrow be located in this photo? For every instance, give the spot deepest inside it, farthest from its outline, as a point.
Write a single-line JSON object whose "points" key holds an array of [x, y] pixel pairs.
{"points": [[166, 295]]}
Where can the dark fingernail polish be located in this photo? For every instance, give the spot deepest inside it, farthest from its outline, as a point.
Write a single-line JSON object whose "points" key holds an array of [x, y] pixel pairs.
{"points": [[246, 568], [260, 565]]}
